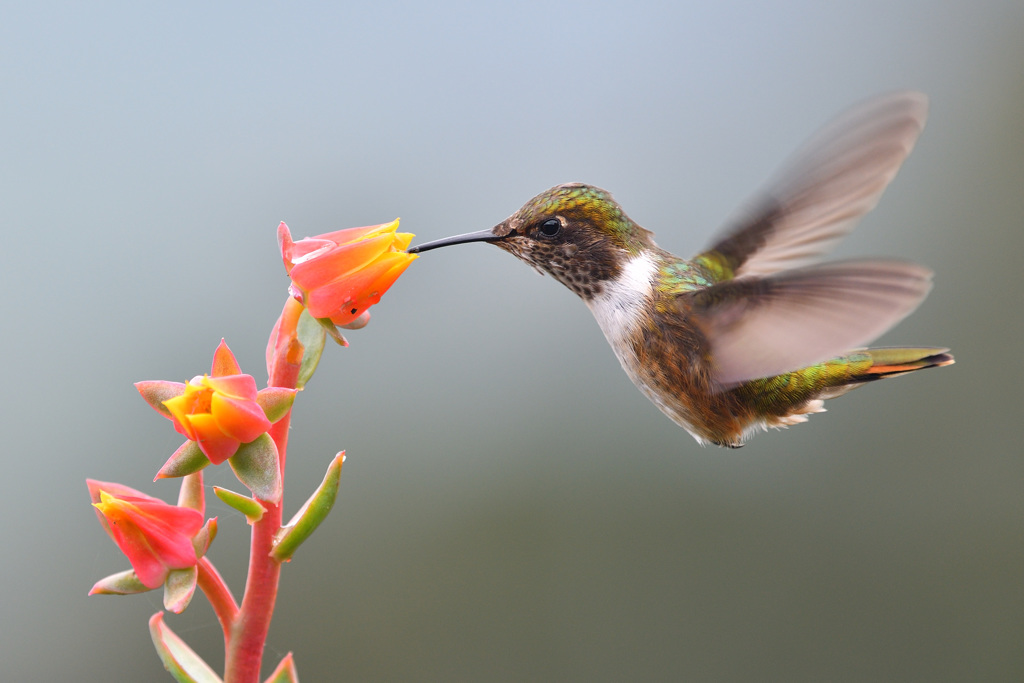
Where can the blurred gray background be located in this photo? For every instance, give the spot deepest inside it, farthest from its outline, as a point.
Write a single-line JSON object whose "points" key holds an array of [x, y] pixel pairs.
{"points": [[512, 508]]}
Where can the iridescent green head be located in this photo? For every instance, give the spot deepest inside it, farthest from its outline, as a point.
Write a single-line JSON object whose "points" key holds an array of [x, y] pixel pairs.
{"points": [[576, 233], [582, 208]]}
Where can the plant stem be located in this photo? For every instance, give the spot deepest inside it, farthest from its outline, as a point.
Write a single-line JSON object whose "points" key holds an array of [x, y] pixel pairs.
{"points": [[249, 631], [216, 591]]}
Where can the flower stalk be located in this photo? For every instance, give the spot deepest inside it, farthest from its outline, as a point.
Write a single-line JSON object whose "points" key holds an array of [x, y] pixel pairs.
{"points": [[251, 624], [336, 278]]}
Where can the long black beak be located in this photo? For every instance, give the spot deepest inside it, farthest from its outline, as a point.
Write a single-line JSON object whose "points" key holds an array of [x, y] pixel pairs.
{"points": [[481, 236]]}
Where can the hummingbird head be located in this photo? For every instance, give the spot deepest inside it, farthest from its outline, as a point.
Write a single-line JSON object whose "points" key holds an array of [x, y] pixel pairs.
{"points": [[574, 232]]}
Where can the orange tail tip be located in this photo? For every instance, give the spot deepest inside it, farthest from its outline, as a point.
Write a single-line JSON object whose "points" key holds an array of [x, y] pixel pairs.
{"points": [[898, 360]]}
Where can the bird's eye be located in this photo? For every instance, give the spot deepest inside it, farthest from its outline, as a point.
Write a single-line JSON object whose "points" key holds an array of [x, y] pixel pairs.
{"points": [[551, 227]]}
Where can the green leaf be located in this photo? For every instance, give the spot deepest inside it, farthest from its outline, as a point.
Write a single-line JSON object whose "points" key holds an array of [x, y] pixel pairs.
{"points": [[257, 466], [188, 459], [310, 515], [122, 583], [252, 509], [179, 588], [312, 337], [201, 541], [285, 671], [178, 658], [276, 401], [157, 391], [332, 331]]}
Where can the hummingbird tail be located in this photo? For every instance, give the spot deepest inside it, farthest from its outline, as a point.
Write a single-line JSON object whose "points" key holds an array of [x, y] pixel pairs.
{"points": [[899, 360], [786, 400]]}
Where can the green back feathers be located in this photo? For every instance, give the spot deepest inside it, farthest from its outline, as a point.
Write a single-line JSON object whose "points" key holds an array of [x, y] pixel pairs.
{"points": [[719, 266]]}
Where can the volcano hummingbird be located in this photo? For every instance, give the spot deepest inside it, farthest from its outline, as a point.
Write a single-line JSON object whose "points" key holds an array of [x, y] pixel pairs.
{"points": [[750, 333]]}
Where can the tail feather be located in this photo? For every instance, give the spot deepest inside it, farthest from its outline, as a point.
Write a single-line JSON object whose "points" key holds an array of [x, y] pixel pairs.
{"points": [[899, 360], [788, 399]]}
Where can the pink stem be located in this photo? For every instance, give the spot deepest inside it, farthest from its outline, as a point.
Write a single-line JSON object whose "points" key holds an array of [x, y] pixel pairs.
{"points": [[216, 591], [248, 633]]}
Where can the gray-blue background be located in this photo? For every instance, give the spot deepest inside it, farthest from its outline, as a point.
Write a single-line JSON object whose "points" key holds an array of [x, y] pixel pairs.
{"points": [[511, 509]]}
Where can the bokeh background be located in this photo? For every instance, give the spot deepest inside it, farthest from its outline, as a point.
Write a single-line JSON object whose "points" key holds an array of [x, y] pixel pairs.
{"points": [[511, 508]]}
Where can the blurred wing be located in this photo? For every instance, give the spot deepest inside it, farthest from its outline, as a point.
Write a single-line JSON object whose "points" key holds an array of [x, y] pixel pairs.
{"points": [[760, 327], [819, 196]]}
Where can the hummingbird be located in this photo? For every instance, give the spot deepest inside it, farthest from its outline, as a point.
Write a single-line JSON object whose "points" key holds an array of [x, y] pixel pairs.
{"points": [[751, 333]]}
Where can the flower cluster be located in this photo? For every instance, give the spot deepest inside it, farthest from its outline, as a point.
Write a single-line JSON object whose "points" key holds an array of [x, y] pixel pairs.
{"points": [[336, 278]]}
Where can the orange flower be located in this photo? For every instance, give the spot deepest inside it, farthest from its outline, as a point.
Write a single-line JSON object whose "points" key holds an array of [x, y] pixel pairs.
{"points": [[219, 411], [155, 536], [339, 275]]}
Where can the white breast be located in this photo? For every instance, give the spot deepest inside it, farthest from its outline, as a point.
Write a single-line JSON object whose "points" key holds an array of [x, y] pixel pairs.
{"points": [[619, 306], [618, 309]]}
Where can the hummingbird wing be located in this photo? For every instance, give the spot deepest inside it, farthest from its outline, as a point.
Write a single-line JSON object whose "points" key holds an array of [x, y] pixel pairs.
{"points": [[818, 197], [761, 327]]}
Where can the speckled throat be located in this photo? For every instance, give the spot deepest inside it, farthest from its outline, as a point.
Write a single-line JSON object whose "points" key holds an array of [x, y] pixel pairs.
{"points": [[585, 271], [592, 237]]}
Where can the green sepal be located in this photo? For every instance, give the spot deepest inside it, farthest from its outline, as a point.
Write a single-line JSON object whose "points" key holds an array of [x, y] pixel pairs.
{"points": [[275, 401], [312, 336], [201, 541], [332, 331], [121, 583], [285, 671], [157, 391], [179, 588], [192, 495], [252, 509], [178, 658], [310, 515], [188, 459], [258, 467]]}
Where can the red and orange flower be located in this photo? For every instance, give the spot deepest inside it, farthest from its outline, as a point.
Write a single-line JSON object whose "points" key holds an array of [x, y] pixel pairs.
{"points": [[340, 275], [154, 535], [219, 414], [220, 411]]}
